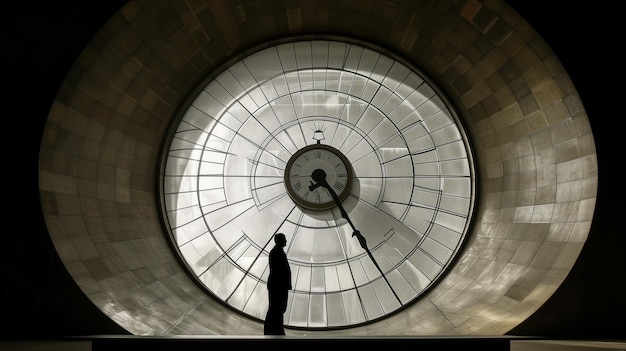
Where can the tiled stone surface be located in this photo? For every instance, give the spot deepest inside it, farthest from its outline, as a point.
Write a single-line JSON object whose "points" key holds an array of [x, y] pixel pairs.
{"points": [[533, 147]]}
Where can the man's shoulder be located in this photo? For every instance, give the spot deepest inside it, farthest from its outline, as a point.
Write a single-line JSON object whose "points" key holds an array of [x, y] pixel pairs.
{"points": [[276, 249]]}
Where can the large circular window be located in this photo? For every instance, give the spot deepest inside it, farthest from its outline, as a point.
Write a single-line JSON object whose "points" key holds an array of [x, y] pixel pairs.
{"points": [[411, 191]]}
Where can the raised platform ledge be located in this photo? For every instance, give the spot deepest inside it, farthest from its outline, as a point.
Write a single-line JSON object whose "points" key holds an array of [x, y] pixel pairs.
{"points": [[187, 343]]}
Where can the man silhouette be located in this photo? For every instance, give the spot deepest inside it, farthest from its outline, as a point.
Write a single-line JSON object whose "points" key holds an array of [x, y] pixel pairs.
{"points": [[278, 285]]}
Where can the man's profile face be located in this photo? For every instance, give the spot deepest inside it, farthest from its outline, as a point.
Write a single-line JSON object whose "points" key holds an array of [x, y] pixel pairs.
{"points": [[280, 239]]}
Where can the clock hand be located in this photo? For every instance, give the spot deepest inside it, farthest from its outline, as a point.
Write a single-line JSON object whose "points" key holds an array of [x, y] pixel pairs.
{"points": [[319, 176]]}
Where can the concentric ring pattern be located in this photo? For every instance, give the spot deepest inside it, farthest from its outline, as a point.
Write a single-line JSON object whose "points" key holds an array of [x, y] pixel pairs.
{"points": [[102, 146], [225, 197]]}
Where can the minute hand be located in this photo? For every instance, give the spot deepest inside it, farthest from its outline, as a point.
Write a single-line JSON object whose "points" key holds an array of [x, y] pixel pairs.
{"points": [[319, 176]]}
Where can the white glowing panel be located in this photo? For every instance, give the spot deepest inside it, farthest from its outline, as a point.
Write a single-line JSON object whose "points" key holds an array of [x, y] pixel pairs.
{"points": [[412, 194]]}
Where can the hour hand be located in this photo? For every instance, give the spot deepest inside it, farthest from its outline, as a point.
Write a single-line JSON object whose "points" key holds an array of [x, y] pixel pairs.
{"points": [[319, 176], [314, 186]]}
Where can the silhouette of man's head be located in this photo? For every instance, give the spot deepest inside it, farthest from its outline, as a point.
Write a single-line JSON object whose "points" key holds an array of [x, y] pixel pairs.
{"points": [[280, 239]]}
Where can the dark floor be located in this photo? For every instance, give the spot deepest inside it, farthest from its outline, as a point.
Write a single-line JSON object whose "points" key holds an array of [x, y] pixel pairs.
{"points": [[516, 345]]}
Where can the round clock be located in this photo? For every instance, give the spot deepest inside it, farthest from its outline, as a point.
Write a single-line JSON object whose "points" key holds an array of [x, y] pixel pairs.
{"points": [[320, 159]]}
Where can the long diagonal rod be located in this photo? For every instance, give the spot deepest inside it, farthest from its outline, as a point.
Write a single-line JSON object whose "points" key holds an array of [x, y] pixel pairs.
{"points": [[320, 178]]}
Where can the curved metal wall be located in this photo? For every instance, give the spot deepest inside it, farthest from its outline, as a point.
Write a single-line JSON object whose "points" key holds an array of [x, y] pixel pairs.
{"points": [[535, 156]]}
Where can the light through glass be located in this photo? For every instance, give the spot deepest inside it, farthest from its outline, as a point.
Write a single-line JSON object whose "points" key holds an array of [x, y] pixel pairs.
{"points": [[412, 196]]}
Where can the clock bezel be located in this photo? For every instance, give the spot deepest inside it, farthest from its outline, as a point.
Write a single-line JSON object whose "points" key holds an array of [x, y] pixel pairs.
{"points": [[312, 205]]}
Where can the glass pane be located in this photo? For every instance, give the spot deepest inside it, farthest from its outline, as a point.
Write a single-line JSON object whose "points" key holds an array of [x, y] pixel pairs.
{"points": [[371, 304], [336, 315], [256, 304], [318, 313], [353, 307], [387, 297], [299, 311]]}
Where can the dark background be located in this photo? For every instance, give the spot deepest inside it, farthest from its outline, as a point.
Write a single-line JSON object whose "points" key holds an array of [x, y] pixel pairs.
{"points": [[42, 39]]}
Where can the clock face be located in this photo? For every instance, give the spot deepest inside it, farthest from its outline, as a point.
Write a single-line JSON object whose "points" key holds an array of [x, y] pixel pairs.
{"points": [[334, 167], [240, 162]]}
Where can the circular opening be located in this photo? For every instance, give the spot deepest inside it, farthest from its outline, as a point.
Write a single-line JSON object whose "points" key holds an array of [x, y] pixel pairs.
{"points": [[224, 194]]}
